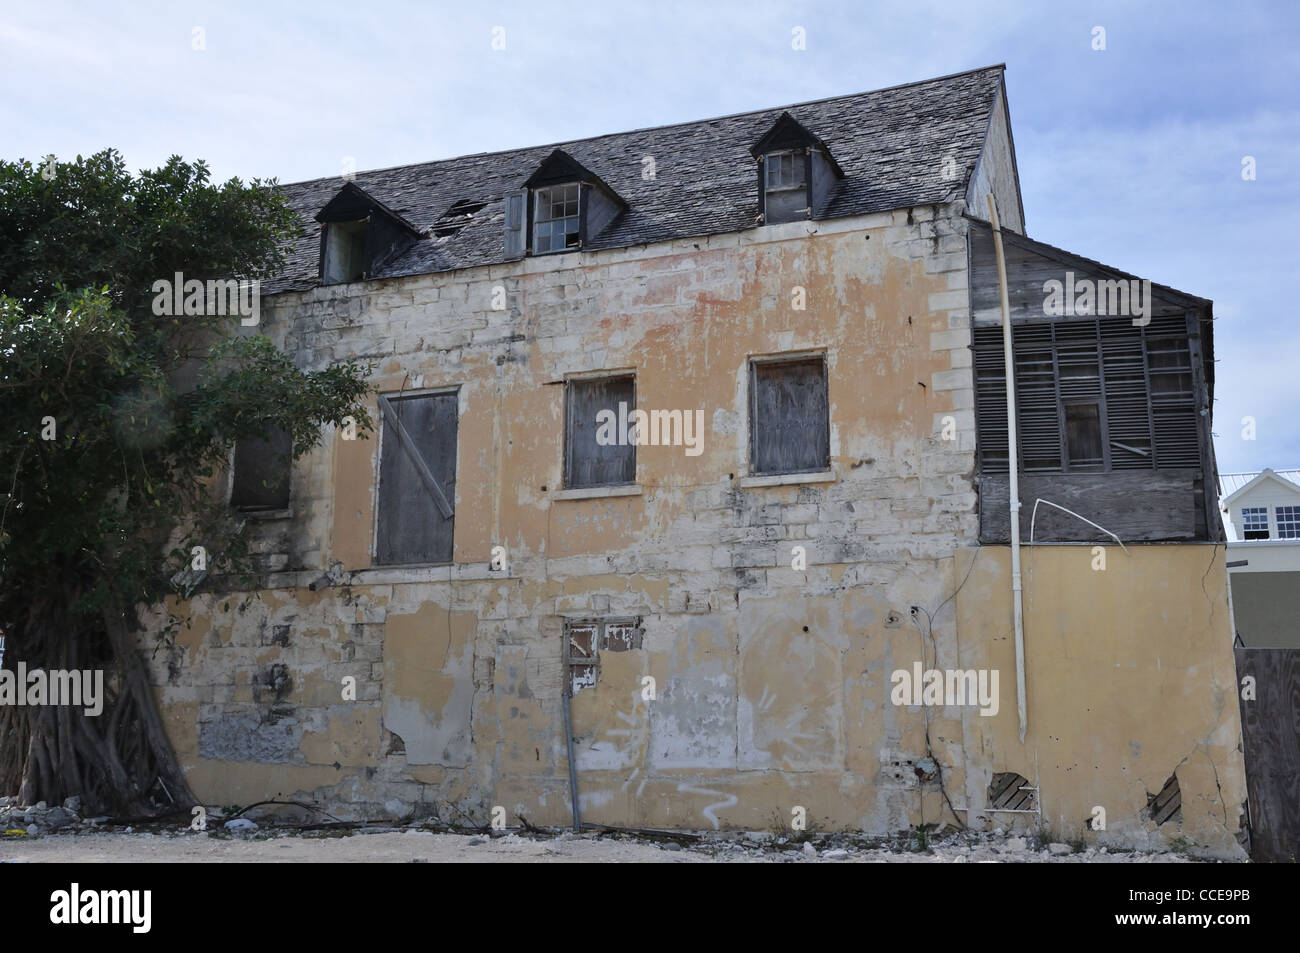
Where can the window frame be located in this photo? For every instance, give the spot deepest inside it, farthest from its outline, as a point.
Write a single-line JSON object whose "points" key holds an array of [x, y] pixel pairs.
{"points": [[267, 513], [591, 377], [1247, 523], [535, 221], [358, 232], [1291, 520], [771, 360], [799, 159]]}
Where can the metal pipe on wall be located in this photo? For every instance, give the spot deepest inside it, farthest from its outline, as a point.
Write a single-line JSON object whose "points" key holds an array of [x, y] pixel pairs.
{"points": [[1013, 466]]}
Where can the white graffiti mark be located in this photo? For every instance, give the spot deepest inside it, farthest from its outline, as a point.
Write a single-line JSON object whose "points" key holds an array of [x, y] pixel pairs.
{"points": [[731, 801]]}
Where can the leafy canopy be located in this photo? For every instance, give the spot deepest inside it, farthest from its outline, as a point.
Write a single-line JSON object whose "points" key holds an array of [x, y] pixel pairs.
{"points": [[113, 419]]}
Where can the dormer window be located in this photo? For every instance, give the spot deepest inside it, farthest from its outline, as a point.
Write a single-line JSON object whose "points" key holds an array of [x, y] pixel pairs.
{"points": [[785, 197], [359, 235], [555, 218], [797, 177], [345, 252], [561, 207]]}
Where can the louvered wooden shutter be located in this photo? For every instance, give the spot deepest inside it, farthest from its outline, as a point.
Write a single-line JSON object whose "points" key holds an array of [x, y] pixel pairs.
{"points": [[1173, 396], [1140, 380]]}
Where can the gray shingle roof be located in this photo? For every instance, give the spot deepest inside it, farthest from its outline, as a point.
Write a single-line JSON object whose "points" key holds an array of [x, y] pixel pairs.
{"points": [[893, 145]]}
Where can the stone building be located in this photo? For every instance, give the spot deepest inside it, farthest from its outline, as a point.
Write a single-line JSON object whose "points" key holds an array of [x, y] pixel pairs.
{"points": [[701, 423]]}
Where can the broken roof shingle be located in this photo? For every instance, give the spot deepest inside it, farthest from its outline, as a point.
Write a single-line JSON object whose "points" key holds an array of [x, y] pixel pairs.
{"points": [[893, 145]]}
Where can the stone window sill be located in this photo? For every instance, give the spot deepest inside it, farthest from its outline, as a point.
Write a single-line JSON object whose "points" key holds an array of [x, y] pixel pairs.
{"points": [[264, 514], [596, 492], [787, 479]]}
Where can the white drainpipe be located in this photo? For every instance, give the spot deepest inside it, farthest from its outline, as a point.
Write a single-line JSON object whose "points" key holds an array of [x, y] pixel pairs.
{"points": [[1013, 466]]}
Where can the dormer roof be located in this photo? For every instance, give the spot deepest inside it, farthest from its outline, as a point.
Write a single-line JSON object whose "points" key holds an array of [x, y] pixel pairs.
{"points": [[352, 202], [788, 133]]}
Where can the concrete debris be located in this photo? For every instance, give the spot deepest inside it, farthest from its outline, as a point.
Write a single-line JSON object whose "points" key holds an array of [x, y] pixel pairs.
{"points": [[36, 817], [434, 843]]}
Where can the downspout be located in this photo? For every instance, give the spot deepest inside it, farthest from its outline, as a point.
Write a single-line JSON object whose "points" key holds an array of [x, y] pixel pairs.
{"points": [[1013, 466], [568, 741]]}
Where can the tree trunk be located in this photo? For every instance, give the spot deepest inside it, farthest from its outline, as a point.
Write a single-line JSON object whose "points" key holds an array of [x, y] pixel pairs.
{"points": [[120, 761]]}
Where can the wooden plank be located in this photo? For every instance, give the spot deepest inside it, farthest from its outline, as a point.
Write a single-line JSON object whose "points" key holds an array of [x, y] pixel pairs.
{"points": [[411, 529], [587, 461], [1027, 270], [417, 459], [1136, 505], [790, 430], [1270, 727]]}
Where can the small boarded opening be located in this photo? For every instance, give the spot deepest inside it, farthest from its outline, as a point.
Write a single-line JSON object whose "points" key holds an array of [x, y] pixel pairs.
{"points": [[1010, 792], [1168, 804]]}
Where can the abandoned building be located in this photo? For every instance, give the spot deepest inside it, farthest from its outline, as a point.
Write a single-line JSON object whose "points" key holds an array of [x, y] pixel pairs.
{"points": [[692, 447]]}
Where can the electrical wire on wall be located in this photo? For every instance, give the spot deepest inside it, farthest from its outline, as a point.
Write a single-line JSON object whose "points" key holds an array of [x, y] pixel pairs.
{"points": [[928, 634]]}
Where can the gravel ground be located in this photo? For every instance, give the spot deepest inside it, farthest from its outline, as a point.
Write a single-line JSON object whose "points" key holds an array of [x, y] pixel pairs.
{"points": [[415, 845]]}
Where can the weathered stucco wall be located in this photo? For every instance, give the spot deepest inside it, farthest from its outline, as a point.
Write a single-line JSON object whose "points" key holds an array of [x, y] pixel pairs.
{"points": [[1130, 679], [772, 682]]}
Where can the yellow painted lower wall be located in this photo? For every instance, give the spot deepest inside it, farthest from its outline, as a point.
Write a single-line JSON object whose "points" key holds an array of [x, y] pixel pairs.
{"points": [[1130, 679], [766, 700]]}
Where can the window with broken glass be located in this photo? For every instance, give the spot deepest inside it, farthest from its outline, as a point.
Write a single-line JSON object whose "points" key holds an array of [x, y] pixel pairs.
{"points": [[555, 218], [785, 188], [1091, 394]]}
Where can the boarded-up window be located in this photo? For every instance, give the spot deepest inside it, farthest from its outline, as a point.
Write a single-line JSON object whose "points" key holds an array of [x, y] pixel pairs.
{"points": [[261, 477], [789, 417], [1090, 395], [599, 447], [417, 466]]}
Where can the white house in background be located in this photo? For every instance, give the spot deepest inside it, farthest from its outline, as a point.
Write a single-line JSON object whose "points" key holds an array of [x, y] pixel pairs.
{"points": [[1261, 513]]}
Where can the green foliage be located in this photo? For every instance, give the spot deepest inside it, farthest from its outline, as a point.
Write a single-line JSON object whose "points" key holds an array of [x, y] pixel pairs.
{"points": [[144, 408], [921, 838]]}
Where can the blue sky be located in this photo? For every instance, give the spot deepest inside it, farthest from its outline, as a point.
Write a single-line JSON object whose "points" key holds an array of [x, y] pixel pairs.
{"points": [[1131, 155]]}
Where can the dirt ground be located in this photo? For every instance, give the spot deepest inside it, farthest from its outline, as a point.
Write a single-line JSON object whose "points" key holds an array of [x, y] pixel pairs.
{"points": [[413, 845]]}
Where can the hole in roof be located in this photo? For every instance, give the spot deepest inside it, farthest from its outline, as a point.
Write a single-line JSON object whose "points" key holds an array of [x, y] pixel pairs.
{"points": [[457, 217]]}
